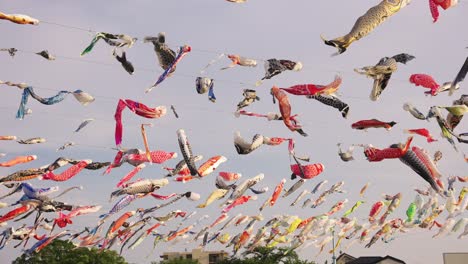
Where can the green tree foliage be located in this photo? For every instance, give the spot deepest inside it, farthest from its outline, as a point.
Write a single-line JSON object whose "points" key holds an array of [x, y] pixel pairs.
{"points": [[63, 252], [265, 255]]}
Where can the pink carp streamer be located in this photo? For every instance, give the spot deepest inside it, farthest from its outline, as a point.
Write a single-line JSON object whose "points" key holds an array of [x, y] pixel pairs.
{"points": [[310, 171], [64, 219], [117, 160], [130, 175], [434, 7], [425, 81], [285, 110], [135, 158], [374, 154], [137, 108], [157, 156], [67, 174], [314, 89], [229, 176]]}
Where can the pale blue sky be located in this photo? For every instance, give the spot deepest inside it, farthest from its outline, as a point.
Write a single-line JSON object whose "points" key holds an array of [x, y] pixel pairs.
{"points": [[260, 29]]}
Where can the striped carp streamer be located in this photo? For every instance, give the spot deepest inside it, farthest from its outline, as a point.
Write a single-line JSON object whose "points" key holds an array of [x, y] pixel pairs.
{"points": [[418, 160], [367, 23], [167, 72], [186, 150], [137, 108], [19, 19], [333, 101], [141, 186], [181, 167], [382, 72], [80, 96], [285, 109], [122, 203], [444, 4]]}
